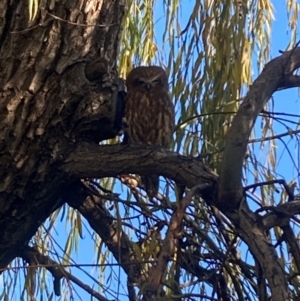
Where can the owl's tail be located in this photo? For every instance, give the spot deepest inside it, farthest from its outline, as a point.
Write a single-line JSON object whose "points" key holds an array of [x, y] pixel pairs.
{"points": [[151, 184]]}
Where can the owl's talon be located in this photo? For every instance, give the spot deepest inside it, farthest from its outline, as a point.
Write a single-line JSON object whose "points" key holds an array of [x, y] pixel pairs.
{"points": [[124, 123]]}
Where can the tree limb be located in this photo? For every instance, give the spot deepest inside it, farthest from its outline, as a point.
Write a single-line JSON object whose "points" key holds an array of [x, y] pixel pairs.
{"points": [[272, 78], [94, 161], [231, 201], [280, 214]]}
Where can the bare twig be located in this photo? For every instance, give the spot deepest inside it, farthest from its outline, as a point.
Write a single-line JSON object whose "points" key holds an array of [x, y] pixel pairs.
{"points": [[289, 190], [169, 245], [288, 133]]}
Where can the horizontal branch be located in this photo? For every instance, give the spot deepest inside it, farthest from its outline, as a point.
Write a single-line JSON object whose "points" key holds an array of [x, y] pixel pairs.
{"points": [[290, 81], [97, 161], [281, 214]]}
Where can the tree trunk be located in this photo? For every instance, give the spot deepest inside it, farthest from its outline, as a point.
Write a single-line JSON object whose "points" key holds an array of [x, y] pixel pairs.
{"points": [[50, 100]]}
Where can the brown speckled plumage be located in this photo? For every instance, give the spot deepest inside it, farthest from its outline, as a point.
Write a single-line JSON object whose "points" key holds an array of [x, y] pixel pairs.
{"points": [[149, 112]]}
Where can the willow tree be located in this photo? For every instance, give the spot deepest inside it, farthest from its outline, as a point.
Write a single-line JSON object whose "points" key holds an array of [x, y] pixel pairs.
{"points": [[63, 167]]}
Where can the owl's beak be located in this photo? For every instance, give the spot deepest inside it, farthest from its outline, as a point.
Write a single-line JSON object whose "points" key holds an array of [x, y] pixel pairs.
{"points": [[148, 86]]}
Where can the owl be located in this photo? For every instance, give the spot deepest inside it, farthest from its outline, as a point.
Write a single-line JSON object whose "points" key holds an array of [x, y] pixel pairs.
{"points": [[149, 113]]}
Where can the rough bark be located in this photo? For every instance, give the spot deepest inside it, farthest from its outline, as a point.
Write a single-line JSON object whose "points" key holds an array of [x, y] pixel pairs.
{"points": [[48, 105], [122, 159]]}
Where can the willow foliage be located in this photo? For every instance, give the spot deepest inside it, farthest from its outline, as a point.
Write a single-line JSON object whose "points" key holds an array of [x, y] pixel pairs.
{"points": [[211, 49]]}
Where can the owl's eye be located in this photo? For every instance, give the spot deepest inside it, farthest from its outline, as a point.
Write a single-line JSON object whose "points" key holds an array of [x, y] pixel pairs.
{"points": [[139, 82], [157, 81]]}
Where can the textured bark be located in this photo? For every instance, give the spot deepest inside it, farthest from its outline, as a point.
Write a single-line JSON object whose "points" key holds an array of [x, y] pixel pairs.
{"points": [[48, 105], [122, 159]]}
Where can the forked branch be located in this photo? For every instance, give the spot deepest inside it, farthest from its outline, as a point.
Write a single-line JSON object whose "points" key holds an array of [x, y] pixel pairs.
{"points": [[276, 75]]}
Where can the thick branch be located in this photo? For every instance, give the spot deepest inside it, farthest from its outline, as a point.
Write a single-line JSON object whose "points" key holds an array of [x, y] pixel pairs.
{"points": [[94, 161], [271, 79], [281, 213], [290, 81], [231, 192], [252, 232]]}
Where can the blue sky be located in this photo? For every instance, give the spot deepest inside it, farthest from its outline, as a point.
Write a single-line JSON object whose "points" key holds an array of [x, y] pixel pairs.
{"points": [[285, 101]]}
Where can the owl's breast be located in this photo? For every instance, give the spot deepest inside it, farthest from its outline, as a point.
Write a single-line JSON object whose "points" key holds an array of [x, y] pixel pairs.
{"points": [[150, 117]]}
